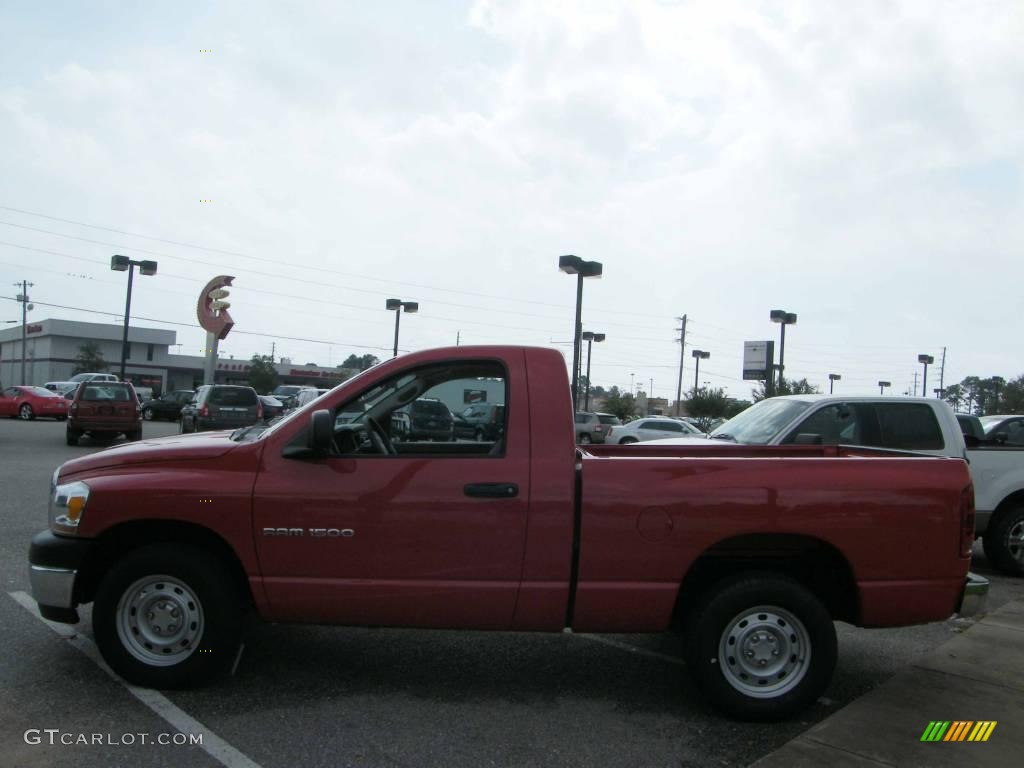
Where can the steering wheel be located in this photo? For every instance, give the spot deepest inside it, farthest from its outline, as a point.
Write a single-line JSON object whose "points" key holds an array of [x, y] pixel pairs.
{"points": [[379, 437]]}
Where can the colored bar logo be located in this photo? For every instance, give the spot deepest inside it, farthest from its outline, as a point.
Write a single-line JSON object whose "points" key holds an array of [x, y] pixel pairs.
{"points": [[959, 730]]}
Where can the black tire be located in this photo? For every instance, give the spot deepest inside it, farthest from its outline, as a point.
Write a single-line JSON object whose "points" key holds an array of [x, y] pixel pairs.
{"points": [[134, 436], [148, 415], [479, 435], [25, 412], [584, 439], [627, 441], [168, 578], [1003, 541], [784, 616], [72, 435]]}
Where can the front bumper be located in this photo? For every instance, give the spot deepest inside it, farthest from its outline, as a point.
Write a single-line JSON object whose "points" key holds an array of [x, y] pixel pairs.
{"points": [[974, 598], [54, 562]]}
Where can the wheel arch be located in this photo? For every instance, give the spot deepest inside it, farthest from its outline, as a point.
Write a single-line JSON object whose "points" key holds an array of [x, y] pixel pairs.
{"points": [[813, 562], [119, 540]]}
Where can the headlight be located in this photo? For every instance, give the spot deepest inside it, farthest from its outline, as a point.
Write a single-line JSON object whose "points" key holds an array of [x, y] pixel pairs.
{"points": [[67, 505]]}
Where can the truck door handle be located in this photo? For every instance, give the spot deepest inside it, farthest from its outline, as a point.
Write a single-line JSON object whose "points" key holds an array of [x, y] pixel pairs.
{"points": [[492, 490]]}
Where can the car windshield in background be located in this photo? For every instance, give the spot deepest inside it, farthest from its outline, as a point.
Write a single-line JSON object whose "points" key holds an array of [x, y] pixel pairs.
{"points": [[105, 391], [991, 422], [759, 423], [231, 396]]}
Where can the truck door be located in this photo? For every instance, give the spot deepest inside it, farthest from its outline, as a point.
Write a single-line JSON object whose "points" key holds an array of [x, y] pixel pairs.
{"points": [[389, 530]]}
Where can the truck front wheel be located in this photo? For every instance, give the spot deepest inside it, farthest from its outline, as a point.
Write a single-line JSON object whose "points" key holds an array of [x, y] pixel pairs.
{"points": [[761, 646], [1004, 541], [168, 616]]}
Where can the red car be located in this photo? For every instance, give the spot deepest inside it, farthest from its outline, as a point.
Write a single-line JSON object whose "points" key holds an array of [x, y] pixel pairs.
{"points": [[104, 409], [28, 402], [324, 518]]}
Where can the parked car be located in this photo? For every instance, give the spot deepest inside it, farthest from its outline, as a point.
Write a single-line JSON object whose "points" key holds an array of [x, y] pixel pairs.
{"points": [[104, 409], [972, 428], [307, 395], [61, 387], [654, 428], [286, 393], [426, 418], [29, 402], [80, 377], [589, 428], [272, 407], [1008, 430], [483, 422], [221, 406], [167, 406], [307, 522]]}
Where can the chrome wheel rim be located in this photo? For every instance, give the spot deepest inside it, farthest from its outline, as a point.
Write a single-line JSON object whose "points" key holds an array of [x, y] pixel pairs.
{"points": [[25, 412], [147, 414], [160, 620], [764, 652], [1015, 541]]}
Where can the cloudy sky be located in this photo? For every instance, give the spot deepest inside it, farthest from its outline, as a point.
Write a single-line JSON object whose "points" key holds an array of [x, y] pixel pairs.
{"points": [[856, 163]]}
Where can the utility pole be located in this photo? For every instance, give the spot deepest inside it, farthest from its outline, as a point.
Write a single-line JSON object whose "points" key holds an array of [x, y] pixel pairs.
{"points": [[458, 337], [682, 357], [273, 351], [915, 383], [23, 298], [942, 371]]}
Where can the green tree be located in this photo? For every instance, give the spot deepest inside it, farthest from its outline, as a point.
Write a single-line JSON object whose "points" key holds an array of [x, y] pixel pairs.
{"points": [[1013, 396], [621, 405], [89, 359], [785, 387], [262, 373], [706, 405], [359, 362]]}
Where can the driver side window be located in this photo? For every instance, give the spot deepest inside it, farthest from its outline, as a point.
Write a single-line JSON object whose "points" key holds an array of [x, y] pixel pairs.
{"points": [[838, 423], [451, 409]]}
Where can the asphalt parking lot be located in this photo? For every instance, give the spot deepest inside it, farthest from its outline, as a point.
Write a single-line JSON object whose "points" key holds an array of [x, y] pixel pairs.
{"points": [[305, 695]]}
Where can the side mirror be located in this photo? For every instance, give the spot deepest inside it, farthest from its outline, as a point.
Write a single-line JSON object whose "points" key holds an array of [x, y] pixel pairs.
{"points": [[807, 438], [321, 431]]}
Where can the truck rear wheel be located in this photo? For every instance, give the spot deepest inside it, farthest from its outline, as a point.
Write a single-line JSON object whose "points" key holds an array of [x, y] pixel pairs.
{"points": [[168, 616], [1003, 541], [761, 646]]}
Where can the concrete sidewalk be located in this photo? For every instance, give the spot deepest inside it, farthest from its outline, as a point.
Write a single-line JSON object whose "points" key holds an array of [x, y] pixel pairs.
{"points": [[978, 675]]}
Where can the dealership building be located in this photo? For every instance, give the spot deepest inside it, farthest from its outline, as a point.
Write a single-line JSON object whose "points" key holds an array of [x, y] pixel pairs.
{"points": [[52, 346]]}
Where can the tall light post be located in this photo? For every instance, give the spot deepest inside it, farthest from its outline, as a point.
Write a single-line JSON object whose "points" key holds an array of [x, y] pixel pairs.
{"points": [[698, 355], [997, 382], [832, 379], [925, 360], [590, 337], [632, 386], [25, 307], [784, 318], [574, 265], [121, 264], [397, 305], [882, 385]]}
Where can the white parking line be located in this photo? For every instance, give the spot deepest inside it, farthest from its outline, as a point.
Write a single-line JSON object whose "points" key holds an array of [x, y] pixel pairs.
{"points": [[631, 648], [212, 744]]}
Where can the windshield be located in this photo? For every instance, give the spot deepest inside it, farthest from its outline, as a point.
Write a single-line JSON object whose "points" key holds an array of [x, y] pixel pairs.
{"points": [[991, 422], [761, 422]]}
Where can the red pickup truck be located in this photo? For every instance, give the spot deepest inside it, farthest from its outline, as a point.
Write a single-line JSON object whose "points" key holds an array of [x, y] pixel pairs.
{"points": [[327, 517]]}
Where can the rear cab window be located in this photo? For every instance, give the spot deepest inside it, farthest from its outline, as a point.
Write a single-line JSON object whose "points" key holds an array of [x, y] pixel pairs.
{"points": [[232, 396], [105, 391]]}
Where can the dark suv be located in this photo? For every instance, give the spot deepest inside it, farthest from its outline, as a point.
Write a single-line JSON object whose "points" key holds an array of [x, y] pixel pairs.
{"points": [[482, 422], [104, 408], [221, 406], [424, 419]]}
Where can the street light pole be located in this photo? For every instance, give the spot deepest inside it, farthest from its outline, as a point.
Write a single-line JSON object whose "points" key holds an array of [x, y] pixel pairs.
{"points": [[574, 265], [121, 264], [784, 318], [926, 360], [698, 355], [25, 306], [398, 305], [832, 379], [590, 337]]}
